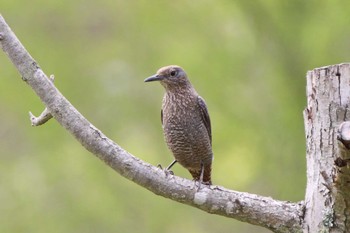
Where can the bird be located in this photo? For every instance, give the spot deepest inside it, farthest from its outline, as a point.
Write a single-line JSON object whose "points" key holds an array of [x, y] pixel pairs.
{"points": [[186, 123]]}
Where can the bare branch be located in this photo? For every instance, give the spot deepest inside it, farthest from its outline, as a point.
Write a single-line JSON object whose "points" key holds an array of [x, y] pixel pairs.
{"points": [[279, 216], [44, 116], [344, 134], [41, 119]]}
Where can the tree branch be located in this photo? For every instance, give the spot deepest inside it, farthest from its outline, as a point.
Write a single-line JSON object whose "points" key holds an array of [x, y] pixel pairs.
{"points": [[344, 136], [279, 216]]}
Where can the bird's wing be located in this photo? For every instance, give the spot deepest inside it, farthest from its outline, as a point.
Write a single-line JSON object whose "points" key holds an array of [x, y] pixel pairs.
{"points": [[205, 115], [161, 116]]}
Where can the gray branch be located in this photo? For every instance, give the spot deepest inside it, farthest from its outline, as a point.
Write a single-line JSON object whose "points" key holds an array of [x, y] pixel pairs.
{"points": [[278, 216], [41, 119]]}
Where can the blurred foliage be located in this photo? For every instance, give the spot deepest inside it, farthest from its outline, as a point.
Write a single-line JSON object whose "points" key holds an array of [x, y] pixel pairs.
{"points": [[248, 59]]}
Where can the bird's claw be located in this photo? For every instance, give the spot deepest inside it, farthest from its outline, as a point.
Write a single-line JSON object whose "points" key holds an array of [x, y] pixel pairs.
{"points": [[166, 171], [198, 184], [169, 172]]}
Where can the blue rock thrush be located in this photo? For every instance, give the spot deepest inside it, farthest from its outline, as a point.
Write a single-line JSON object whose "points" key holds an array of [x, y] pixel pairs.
{"points": [[186, 123]]}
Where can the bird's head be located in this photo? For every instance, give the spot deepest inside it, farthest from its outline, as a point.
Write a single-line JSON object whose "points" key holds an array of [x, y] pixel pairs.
{"points": [[170, 77]]}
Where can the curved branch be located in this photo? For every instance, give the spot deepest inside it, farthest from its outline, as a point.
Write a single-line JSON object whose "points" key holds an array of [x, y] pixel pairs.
{"points": [[279, 216]]}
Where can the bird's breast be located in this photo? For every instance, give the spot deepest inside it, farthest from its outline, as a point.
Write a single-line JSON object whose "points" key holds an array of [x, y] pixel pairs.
{"points": [[185, 132]]}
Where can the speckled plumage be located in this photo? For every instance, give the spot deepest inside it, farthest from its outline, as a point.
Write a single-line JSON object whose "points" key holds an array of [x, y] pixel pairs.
{"points": [[186, 122]]}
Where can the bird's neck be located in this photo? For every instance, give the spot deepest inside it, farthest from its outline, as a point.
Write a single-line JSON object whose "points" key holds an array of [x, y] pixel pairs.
{"points": [[179, 88], [178, 96], [182, 91]]}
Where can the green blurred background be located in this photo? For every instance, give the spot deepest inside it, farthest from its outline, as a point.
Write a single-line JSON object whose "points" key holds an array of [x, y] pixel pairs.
{"points": [[248, 59]]}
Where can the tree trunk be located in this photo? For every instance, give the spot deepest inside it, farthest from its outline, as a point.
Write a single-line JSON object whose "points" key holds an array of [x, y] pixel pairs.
{"points": [[328, 188]]}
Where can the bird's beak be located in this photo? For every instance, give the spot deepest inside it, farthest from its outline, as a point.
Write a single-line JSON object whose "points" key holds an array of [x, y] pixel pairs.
{"points": [[155, 77]]}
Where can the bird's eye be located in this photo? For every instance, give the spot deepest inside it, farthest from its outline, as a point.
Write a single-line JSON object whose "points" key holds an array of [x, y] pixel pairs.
{"points": [[173, 73]]}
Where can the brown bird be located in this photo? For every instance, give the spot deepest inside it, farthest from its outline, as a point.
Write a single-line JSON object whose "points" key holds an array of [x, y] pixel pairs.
{"points": [[186, 123]]}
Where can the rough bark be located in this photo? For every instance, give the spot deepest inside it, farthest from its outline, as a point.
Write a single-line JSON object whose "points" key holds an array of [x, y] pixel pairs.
{"points": [[328, 190]]}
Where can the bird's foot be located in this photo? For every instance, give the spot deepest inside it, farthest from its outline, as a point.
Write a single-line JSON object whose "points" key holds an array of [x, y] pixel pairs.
{"points": [[198, 184], [198, 187], [166, 170], [206, 183]]}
